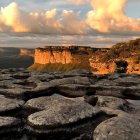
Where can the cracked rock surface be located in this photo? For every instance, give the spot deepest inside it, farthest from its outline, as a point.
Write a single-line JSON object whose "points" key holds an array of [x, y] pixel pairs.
{"points": [[76, 105]]}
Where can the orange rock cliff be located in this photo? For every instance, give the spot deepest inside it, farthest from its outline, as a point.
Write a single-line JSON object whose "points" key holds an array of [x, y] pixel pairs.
{"points": [[62, 54], [101, 61]]}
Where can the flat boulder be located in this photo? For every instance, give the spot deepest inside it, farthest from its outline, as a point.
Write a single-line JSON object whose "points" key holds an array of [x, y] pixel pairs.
{"points": [[42, 103], [108, 101], [123, 127], [9, 105], [9, 125], [61, 115], [72, 90]]}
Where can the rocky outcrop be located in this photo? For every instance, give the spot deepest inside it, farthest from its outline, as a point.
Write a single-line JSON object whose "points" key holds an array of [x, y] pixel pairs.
{"points": [[98, 61], [26, 52], [62, 54], [76, 105], [118, 128], [128, 51]]}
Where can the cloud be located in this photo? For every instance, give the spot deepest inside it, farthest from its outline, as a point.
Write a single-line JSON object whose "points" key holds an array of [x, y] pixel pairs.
{"points": [[71, 23], [25, 40], [108, 16], [12, 19]]}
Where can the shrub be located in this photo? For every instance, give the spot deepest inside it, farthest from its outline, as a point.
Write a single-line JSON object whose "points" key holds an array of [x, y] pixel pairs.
{"points": [[121, 66]]}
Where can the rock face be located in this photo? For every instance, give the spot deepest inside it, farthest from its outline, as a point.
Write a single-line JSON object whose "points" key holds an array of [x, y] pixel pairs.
{"points": [[64, 55], [76, 105], [98, 61]]}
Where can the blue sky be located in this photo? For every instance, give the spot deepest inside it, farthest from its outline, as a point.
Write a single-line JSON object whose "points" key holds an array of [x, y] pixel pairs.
{"points": [[132, 9], [98, 23]]}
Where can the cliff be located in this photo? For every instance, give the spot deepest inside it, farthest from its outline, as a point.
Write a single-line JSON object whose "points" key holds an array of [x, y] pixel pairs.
{"points": [[99, 61], [62, 58], [26, 52], [62, 54]]}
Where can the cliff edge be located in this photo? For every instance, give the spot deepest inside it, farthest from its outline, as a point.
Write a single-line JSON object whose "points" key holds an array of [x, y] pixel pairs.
{"points": [[98, 61]]}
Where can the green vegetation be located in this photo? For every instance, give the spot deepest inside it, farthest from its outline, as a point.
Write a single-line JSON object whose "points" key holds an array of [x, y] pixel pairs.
{"points": [[59, 67], [121, 66], [123, 50]]}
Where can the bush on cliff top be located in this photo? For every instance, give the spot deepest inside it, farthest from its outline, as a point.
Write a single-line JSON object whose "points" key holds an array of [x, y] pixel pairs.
{"points": [[122, 51]]}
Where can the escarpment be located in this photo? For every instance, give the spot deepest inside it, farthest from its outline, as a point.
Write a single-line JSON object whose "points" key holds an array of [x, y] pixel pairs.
{"points": [[96, 60], [62, 54], [63, 58]]}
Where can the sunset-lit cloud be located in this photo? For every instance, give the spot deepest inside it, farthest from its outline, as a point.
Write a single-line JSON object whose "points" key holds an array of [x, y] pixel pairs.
{"points": [[15, 20], [10, 19], [106, 17]]}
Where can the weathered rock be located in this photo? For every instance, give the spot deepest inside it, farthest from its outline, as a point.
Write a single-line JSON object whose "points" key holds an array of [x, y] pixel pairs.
{"points": [[127, 81], [71, 80], [10, 106], [124, 127], [14, 92], [57, 117], [60, 115], [115, 91], [48, 88], [73, 73], [9, 125], [105, 82], [108, 101], [73, 90], [21, 75], [41, 103]]}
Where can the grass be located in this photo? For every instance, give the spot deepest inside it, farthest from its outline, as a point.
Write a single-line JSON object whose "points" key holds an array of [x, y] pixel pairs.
{"points": [[60, 67]]}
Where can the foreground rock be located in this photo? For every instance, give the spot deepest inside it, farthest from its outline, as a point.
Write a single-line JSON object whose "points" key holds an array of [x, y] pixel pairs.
{"points": [[68, 106], [61, 115], [108, 101], [121, 128], [9, 125], [10, 106]]}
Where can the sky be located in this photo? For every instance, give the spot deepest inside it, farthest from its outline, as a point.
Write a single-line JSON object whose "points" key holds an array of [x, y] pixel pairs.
{"points": [[96, 23]]}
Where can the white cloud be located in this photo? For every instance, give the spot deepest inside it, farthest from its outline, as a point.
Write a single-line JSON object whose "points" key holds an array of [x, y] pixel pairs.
{"points": [[10, 19], [108, 16], [15, 20]]}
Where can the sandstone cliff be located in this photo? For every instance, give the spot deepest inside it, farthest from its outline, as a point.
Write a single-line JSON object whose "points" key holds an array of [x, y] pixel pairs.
{"points": [[99, 61], [62, 57]]}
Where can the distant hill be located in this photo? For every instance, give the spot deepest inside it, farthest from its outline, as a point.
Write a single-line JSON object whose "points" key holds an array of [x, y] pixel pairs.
{"points": [[12, 58]]}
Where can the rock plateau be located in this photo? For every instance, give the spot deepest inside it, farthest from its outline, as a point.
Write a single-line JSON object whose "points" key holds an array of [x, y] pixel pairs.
{"points": [[75, 105]]}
